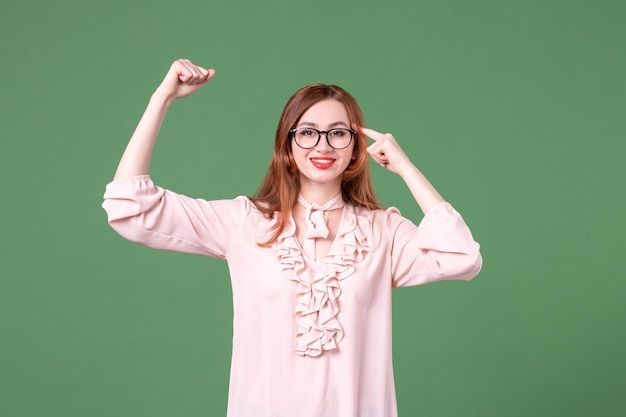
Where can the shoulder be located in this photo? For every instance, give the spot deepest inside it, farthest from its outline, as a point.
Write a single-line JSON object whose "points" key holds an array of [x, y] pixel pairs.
{"points": [[245, 208], [385, 218], [238, 206], [381, 224]]}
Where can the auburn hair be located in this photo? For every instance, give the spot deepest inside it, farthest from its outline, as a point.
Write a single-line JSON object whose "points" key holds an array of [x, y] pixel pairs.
{"points": [[279, 191]]}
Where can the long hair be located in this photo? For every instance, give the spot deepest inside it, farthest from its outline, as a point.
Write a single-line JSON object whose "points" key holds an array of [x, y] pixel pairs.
{"points": [[279, 191]]}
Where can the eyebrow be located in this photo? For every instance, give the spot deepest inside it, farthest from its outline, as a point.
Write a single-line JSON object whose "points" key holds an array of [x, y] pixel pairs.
{"points": [[335, 124]]}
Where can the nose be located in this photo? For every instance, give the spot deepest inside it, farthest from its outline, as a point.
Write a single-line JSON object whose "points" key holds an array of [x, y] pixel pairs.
{"points": [[322, 144]]}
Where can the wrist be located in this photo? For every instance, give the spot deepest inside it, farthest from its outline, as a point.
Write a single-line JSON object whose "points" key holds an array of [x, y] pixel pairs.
{"points": [[408, 171], [162, 98]]}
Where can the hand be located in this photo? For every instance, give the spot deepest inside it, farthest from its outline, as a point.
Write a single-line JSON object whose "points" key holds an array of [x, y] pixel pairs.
{"points": [[184, 78], [386, 151]]}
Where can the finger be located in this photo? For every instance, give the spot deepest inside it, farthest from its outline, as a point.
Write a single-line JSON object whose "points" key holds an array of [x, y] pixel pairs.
{"points": [[376, 148], [197, 74], [184, 75], [379, 157], [373, 134], [377, 152], [203, 74], [190, 66], [382, 161], [373, 149], [189, 73], [183, 72], [209, 74]]}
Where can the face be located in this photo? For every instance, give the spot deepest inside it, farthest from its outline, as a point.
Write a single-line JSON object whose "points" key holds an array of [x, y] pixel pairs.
{"points": [[322, 165]]}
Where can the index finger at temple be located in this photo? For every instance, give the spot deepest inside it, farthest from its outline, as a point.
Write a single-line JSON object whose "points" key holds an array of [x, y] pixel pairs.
{"points": [[372, 134]]}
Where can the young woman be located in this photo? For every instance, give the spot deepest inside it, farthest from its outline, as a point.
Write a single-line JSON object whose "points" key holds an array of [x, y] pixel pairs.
{"points": [[312, 257]]}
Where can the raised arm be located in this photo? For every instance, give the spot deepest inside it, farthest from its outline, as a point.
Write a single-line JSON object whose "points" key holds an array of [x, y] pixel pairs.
{"points": [[183, 78], [442, 247], [388, 154]]}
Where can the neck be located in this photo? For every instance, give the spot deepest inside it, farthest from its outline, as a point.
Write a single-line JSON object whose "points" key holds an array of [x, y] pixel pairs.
{"points": [[319, 193]]}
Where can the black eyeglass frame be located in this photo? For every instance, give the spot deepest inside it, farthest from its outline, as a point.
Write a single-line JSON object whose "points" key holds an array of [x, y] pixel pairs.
{"points": [[292, 132]]}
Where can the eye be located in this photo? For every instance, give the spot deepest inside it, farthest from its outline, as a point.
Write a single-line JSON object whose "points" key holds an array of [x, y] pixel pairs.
{"points": [[306, 132], [338, 133]]}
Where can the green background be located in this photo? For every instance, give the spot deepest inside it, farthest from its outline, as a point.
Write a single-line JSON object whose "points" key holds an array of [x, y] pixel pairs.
{"points": [[514, 109]]}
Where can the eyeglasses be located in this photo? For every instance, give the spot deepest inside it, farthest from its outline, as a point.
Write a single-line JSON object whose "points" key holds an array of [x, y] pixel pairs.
{"points": [[307, 137]]}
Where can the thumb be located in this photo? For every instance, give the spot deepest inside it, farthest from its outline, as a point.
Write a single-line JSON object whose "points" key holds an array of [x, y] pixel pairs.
{"points": [[210, 73]]}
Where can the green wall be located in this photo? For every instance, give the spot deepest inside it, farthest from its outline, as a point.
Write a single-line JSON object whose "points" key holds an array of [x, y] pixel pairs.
{"points": [[514, 109]]}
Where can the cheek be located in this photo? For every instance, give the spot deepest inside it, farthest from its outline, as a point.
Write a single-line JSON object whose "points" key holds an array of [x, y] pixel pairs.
{"points": [[299, 158], [347, 159]]}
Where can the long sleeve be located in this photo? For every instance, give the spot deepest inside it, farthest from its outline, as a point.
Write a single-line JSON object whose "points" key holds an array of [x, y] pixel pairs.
{"points": [[149, 215], [440, 248]]}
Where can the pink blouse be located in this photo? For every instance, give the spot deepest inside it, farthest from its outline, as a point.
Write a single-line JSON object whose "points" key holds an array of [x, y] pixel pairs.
{"points": [[310, 338]]}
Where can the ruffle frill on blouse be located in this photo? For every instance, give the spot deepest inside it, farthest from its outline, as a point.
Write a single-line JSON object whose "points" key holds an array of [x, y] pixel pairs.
{"points": [[317, 294]]}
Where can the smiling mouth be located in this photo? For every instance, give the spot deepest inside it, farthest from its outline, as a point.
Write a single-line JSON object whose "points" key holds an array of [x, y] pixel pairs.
{"points": [[322, 163]]}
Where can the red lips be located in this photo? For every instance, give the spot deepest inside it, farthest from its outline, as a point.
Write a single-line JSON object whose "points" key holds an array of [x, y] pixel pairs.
{"points": [[322, 163]]}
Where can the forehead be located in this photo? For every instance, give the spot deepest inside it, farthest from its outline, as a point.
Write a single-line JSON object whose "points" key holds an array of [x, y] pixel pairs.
{"points": [[325, 112]]}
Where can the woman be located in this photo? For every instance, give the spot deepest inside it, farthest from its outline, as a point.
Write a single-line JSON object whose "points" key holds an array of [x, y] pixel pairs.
{"points": [[312, 257]]}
